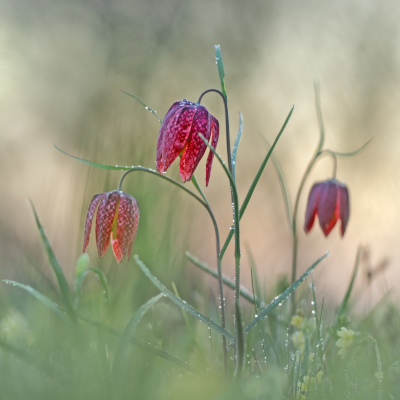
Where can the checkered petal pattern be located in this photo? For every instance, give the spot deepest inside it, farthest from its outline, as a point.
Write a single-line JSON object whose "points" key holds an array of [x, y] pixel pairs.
{"points": [[179, 136], [117, 221]]}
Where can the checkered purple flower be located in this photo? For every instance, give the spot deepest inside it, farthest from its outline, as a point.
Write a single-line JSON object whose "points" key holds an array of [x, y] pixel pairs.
{"points": [[117, 221], [178, 135]]}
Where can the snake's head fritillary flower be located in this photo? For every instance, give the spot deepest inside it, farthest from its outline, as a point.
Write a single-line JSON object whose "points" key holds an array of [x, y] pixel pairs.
{"points": [[330, 201], [179, 135], [117, 221]]}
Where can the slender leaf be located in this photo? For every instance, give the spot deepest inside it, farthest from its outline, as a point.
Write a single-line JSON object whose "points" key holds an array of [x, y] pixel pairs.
{"points": [[228, 282], [56, 267], [346, 298], [221, 72], [199, 352], [196, 185], [137, 168], [94, 164], [144, 345], [254, 278], [315, 307], [283, 296], [103, 280], [257, 293], [130, 327], [352, 153], [143, 104], [255, 181], [236, 145], [54, 307], [182, 303]]}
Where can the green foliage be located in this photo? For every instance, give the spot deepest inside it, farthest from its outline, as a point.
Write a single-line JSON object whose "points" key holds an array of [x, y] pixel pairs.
{"points": [[120, 340]]}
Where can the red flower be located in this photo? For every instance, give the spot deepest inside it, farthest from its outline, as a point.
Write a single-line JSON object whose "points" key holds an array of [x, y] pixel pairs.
{"points": [[330, 200], [117, 220], [178, 135]]}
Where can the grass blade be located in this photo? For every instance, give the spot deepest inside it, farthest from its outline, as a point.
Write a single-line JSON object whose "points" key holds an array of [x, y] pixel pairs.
{"points": [[94, 164], [314, 302], [228, 282], [199, 353], [130, 327], [346, 298], [283, 296], [257, 292], [221, 72], [144, 345], [180, 302], [143, 104], [236, 145], [50, 304], [103, 280], [352, 153], [66, 294], [196, 185], [255, 181]]}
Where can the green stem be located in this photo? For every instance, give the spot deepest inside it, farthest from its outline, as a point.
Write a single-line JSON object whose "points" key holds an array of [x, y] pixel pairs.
{"points": [[235, 206], [217, 242]]}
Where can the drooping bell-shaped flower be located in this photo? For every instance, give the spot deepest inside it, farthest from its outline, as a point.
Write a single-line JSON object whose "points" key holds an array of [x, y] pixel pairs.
{"points": [[330, 201], [179, 135], [117, 221]]}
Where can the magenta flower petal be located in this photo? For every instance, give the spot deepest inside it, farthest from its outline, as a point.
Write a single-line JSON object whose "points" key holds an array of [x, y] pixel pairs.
{"points": [[117, 221], [214, 142], [163, 133], [195, 148], [330, 201], [179, 136], [174, 133], [104, 220], [127, 224], [344, 207], [312, 205], [88, 226], [328, 207]]}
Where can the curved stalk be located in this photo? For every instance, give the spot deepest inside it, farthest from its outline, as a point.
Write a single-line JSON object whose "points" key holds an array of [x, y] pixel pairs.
{"points": [[228, 139], [205, 204], [334, 159]]}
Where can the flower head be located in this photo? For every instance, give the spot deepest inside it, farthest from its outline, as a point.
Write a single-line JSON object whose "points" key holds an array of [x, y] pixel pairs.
{"points": [[297, 321], [179, 135], [117, 220], [299, 341], [330, 200], [346, 338]]}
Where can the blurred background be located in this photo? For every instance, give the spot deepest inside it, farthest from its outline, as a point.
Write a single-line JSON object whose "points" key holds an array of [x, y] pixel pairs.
{"points": [[62, 65]]}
